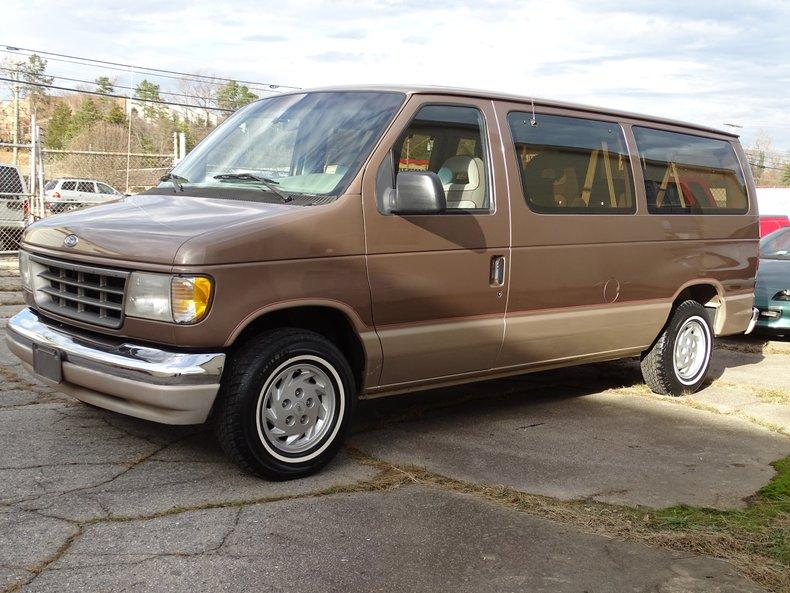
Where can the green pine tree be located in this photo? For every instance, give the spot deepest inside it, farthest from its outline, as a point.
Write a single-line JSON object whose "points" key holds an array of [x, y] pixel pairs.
{"points": [[86, 115], [34, 72], [105, 85], [115, 115], [233, 95], [147, 92], [57, 126]]}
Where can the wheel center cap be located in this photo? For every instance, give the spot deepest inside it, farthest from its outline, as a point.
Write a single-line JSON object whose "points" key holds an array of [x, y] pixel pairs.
{"points": [[299, 408]]}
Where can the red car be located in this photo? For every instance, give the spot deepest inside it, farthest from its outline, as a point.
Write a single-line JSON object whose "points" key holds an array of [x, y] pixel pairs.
{"points": [[771, 223]]}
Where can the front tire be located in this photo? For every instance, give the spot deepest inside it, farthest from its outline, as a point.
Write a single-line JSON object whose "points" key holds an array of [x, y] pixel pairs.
{"points": [[285, 404], [677, 362]]}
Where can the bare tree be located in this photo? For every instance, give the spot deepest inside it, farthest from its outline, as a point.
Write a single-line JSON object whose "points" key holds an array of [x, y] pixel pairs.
{"points": [[201, 94], [758, 155]]}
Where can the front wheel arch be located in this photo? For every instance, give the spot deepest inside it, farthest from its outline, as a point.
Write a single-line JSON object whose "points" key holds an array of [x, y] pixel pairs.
{"points": [[333, 323]]}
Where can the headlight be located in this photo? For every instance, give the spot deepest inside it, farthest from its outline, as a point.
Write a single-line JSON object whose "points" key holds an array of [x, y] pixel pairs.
{"points": [[782, 295], [183, 299]]}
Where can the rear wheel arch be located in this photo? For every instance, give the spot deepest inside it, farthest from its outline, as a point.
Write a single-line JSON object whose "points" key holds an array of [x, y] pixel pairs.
{"points": [[708, 293]]}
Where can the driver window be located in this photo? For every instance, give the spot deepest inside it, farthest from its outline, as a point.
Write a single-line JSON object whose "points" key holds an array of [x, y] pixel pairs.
{"points": [[448, 140]]}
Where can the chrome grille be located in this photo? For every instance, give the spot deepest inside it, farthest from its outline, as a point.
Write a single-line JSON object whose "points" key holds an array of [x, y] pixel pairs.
{"points": [[85, 293]]}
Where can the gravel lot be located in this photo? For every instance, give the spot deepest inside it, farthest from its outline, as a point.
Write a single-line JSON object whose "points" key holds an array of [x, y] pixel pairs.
{"points": [[535, 483]]}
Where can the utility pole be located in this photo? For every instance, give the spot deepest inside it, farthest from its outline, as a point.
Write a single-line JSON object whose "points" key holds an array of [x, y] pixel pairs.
{"points": [[129, 128], [15, 122]]}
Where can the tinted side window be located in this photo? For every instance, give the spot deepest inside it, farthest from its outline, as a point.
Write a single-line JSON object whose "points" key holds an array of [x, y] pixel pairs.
{"points": [[69, 186], [10, 183], [687, 174], [448, 140], [86, 186], [104, 188], [571, 165], [51, 184]]}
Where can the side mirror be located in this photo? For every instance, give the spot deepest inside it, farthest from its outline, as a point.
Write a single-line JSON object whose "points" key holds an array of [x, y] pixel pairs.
{"points": [[418, 192]]}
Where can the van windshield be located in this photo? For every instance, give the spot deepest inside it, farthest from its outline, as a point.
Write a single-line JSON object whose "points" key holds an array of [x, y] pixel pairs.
{"points": [[307, 143]]}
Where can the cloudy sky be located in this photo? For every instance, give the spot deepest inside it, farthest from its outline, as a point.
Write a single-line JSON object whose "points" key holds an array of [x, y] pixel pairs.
{"points": [[712, 62]]}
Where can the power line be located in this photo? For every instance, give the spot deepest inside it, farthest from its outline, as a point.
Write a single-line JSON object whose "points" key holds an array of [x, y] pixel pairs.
{"points": [[256, 88], [63, 88], [114, 85], [767, 167], [218, 80]]}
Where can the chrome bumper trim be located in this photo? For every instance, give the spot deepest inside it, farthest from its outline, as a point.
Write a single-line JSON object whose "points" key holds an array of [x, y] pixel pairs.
{"points": [[753, 320], [140, 381], [141, 363]]}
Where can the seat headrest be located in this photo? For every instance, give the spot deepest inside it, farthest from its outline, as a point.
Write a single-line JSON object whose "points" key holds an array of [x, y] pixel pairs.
{"points": [[461, 170]]}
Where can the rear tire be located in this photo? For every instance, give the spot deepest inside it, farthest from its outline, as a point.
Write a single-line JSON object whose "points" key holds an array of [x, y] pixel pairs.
{"points": [[677, 363], [285, 404]]}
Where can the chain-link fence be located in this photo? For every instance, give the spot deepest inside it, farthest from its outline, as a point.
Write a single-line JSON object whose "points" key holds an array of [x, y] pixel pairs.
{"points": [[97, 173], [37, 183], [16, 161]]}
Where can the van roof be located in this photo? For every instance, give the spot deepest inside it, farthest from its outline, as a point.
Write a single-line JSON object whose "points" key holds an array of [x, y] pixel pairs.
{"points": [[481, 94]]}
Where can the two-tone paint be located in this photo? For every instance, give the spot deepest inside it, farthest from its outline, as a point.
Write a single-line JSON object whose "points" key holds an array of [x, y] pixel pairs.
{"points": [[413, 294]]}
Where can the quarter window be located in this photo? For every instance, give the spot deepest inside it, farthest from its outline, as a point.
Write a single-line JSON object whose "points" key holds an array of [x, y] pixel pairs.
{"points": [[687, 174], [571, 165], [448, 140]]}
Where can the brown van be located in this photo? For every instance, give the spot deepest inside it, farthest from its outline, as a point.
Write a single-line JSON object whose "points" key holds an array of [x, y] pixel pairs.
{"points": [[328, 245]]}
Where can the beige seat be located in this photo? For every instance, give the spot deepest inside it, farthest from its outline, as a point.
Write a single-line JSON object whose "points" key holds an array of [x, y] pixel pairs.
{"points": [[463, 178]]}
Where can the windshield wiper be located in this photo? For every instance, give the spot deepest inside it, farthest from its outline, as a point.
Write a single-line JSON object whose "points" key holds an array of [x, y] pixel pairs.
{"points": [[176, 179], [270, 184]]}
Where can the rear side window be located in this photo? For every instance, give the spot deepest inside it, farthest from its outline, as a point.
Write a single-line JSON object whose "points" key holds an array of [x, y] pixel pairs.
{"points": [[69, 186], [10, 183], [571, 165], [687, 174], [86, 186]]}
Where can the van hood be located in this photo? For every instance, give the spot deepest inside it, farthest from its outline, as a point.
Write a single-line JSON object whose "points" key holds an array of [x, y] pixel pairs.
{"points": [[149, 228]]}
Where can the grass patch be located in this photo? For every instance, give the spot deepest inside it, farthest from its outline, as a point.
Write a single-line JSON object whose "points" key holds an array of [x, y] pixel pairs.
{"points": [[754, 345], [762, 528], [774, 396]]}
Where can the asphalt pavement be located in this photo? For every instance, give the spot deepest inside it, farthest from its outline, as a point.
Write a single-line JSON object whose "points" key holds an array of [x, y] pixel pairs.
{"points": [[94, 501]]}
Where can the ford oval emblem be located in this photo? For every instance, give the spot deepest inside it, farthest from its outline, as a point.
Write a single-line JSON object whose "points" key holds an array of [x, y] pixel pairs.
{"points": [[71, 241]]}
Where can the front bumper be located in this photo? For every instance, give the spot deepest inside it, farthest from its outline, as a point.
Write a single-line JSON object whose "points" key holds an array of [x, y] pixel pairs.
{"points": [[141, 381], [775, 316]]}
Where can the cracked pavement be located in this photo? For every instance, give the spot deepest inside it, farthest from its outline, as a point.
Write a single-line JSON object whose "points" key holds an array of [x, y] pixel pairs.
{"points": [[95, 501]]}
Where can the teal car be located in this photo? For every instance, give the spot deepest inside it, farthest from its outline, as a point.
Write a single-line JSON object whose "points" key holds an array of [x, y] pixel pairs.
{"points": [[772, 293]]}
